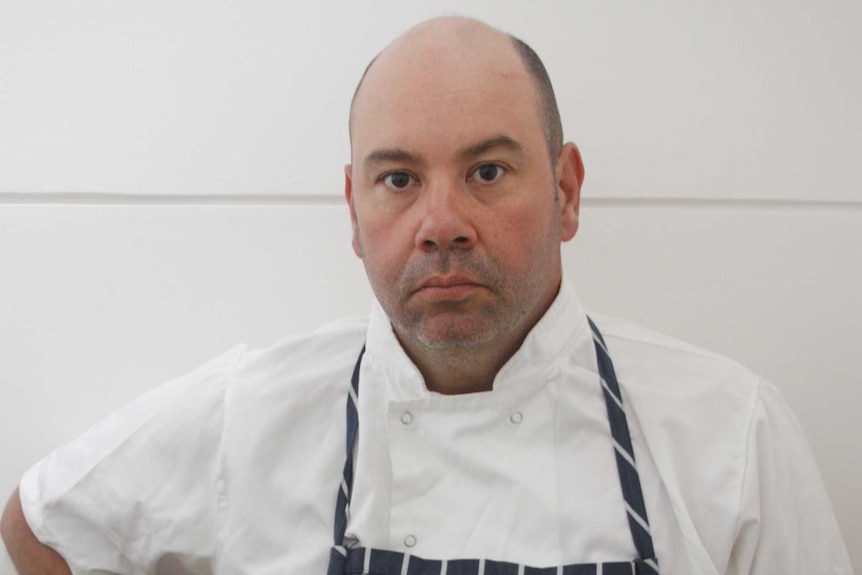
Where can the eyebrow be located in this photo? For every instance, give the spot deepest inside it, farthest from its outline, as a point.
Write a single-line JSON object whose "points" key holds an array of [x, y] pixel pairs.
{"points": [[393, 155], [485, 146], [401, 156]]}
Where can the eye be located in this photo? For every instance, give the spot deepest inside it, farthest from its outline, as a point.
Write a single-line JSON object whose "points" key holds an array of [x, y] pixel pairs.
{"points": [[487, 173], [397, 180]]}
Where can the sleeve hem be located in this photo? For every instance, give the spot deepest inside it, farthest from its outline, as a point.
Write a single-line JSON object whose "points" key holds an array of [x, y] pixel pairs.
{"points": [[29, 493]]}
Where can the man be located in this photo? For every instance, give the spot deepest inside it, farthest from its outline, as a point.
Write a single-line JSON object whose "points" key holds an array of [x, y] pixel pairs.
{"points": [[501, 430]]}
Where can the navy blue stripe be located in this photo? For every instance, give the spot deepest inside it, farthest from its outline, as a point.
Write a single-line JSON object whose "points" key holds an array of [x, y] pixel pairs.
{"points": [[383, 562], [631, 486], [352, 414], [642, 568], [629, 478], [619, 426], [389, 562], [337, 563], [500, 568], [423, 567], [582, 569], [463, 567], [343, 500], [595, 330], [642, 539]]}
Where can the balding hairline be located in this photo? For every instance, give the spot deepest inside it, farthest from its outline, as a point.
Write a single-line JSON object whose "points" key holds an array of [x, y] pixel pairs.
{"points": [[547, 99]]}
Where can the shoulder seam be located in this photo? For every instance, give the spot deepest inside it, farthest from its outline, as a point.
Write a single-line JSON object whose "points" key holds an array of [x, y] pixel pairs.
{"points": [[755, 402], [688, 349], [230, 375]]}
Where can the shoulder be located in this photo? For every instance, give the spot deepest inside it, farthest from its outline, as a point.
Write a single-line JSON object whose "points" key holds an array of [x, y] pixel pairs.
{"points": [[691, 413], [239, 405], [650, 362], [290, 392], [297, 361], [189, 413], [691, 406], [284, 430]]}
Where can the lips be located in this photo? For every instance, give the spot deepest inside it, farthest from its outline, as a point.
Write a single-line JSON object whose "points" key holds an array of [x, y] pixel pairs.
{"points": [[446, 282], [447, 288]]}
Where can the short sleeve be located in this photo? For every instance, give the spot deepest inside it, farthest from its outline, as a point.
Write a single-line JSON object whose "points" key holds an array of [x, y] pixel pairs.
{"points": [[138, 493], [786, 522]]}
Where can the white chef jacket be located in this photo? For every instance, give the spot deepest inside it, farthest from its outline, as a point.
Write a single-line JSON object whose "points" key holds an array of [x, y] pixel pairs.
{"points": [[234, 469]]}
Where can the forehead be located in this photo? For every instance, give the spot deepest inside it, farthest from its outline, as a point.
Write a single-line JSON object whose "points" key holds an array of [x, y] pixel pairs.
{"points": [[437, 93]]}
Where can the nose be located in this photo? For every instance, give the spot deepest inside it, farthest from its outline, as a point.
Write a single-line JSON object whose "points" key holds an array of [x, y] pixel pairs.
{"points": [[445, 223]]}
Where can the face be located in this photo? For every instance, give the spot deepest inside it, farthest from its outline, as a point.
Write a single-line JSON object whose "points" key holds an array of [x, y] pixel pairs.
{"points": [[458, 211]]}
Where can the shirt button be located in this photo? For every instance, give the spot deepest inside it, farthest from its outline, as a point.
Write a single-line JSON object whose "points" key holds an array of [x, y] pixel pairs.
{"points": [[516, 417], [406, 418], [410, 541]]}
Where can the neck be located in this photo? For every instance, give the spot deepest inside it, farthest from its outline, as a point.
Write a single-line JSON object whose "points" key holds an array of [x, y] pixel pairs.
{"points": [[467, 369]]}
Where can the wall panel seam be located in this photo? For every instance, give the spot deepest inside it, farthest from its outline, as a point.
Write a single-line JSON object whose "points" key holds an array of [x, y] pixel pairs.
{"points": [[84, 199]]}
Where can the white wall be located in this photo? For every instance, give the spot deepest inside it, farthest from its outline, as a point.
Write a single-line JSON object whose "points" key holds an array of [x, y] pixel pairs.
{"points": [[674, 99], [170, 175]]}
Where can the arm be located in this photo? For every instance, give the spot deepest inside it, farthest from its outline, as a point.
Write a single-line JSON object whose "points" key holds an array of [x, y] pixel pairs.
{"points": [[28, 554], [786, 524], [136, 487]]}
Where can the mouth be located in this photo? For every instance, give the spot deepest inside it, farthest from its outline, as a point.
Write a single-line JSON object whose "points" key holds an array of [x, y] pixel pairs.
{"points": [[447, 288]]}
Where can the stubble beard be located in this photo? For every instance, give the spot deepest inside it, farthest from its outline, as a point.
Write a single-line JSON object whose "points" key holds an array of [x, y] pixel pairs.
{"points": [[496, 312], [468, 325]]}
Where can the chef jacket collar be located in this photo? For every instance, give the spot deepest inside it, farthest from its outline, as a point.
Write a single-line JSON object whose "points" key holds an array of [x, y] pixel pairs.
{"points": [[561, 335]]}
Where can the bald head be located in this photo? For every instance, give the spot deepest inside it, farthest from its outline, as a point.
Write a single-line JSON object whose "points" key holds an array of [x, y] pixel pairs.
{"points": [[432, 42]]}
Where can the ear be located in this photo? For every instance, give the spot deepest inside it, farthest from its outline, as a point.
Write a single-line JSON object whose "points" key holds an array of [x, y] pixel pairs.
{"points": [[348, 195], [570, 177]]}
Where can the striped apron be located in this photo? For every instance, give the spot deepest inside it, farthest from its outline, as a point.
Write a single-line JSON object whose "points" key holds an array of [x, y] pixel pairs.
{"points": [[366, 561]]}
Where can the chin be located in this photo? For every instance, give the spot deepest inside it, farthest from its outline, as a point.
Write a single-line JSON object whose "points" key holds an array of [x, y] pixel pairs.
{"points": [[456, 334]]}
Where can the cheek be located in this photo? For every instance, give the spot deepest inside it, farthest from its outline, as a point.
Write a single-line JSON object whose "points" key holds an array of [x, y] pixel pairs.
{"points": [[385, 248], [523, 235]]}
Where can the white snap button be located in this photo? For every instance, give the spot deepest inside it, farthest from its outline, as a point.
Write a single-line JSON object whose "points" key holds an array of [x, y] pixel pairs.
{"points": [[410, 541], [516, 417], [406, 418]]}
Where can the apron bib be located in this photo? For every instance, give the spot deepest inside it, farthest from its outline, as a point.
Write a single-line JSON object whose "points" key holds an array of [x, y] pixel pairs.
{"points": [[366, 561]]}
